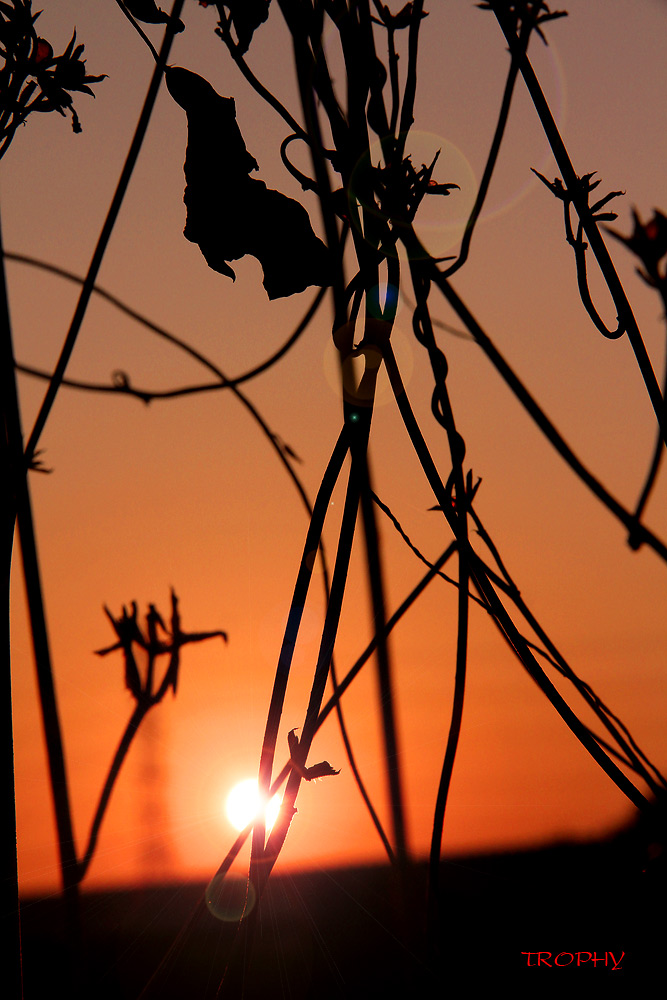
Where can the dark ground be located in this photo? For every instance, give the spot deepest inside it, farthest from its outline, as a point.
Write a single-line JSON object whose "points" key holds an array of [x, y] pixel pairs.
{"points": [[343, 934]]}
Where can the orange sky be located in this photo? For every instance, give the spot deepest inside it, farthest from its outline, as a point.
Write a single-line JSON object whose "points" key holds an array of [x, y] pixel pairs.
{"points": [[188, 493]]}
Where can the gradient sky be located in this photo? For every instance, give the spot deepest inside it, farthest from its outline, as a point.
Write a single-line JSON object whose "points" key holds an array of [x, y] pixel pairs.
{"points": [[188, 492]]}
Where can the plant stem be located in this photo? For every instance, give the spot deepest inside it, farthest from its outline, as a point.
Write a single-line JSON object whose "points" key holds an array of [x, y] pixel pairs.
{"points": [[342, 687], [105, 234], [11, 458], [520, 646], [500, 615], [131, 729], [385, 690], [21, 510], [327, 641], [639, 531], [450, 750], [489, 168], [580, 202], [292, 627]]}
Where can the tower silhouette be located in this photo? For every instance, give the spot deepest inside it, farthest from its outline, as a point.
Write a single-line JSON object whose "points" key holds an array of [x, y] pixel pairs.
{"points": [[155, 854]]}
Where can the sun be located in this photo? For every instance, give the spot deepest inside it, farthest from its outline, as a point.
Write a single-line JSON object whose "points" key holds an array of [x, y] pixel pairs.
{"points": [[242, 805]]}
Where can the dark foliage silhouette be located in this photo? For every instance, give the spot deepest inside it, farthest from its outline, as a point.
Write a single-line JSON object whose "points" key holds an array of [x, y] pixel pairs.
{"points": [[32, 78], [230, 214]]}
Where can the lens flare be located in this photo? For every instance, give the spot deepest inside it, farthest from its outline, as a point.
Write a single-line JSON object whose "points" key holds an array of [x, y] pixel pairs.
{"points": [[441, 219], [244, 804], [228, 897]]}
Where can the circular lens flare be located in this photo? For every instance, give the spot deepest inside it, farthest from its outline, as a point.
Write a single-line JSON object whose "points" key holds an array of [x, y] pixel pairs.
{"points": [[441, 219], [229, 897], [244, 804]]}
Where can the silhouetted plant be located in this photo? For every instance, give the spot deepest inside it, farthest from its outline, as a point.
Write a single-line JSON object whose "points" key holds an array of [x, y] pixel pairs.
{"points": [[369, 202], [32, 78], [142, 684]]}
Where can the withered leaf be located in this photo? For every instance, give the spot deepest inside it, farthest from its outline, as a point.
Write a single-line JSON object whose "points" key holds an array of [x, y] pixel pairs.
{"points": [[230, 214], [321, 770]]}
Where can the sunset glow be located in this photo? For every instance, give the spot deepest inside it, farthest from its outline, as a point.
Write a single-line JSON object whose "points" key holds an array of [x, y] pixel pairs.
{"points": [[192, 491], [243, 804]]}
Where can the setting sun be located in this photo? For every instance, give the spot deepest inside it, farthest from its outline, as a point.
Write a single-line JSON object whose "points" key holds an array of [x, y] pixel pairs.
{"points": [[243, 804]]}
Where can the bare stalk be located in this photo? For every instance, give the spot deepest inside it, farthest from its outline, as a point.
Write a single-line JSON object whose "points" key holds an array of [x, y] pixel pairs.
{"points": [[11, 461], [626, 316], [105, 234]]}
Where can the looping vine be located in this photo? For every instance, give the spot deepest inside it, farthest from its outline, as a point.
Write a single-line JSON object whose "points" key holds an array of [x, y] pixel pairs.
{"points": [[580, 196]]}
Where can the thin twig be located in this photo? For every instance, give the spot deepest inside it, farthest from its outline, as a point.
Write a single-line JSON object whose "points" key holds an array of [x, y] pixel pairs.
{"points": [[140, 31], [105, 234], [580, 202], [137, 717], [506, 625], [641, 532], [224, 381], [500, 614], [489, 166], [225, 34]]}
